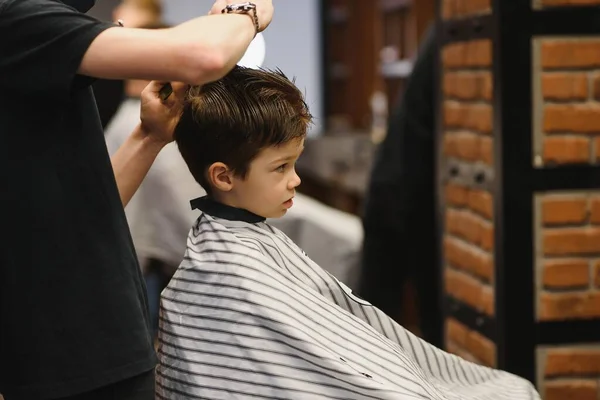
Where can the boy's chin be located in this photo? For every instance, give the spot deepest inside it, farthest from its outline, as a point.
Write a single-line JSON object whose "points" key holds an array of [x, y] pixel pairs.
{"points": [[279, 214]]}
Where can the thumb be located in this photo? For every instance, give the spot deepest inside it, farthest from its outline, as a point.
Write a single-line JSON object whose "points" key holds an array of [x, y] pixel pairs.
{"points": [[177, 98], [179, 90]]}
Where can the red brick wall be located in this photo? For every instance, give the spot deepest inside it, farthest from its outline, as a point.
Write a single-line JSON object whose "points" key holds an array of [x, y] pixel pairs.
{"points": [[570, 373], [566, 130], [468, 245], [469, 232], [469, 344], [567, 108], [569, 268]]}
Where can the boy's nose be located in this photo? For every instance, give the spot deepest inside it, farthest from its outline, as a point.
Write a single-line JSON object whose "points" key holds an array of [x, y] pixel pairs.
{"points": [[295, 181]]}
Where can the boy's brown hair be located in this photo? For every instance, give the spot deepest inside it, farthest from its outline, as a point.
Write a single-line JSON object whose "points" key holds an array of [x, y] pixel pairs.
{"points": [[231, 120]]}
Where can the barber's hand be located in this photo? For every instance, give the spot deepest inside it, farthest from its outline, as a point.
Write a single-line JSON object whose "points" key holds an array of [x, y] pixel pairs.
{"points": [[159, 118], [264, 9]]}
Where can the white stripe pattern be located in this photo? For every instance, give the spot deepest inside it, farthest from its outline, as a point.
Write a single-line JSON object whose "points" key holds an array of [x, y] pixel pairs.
{"points": [[248, 315]]}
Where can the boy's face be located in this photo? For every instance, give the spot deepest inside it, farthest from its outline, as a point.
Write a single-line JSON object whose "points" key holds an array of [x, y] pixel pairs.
{"points": [[271, 181]]}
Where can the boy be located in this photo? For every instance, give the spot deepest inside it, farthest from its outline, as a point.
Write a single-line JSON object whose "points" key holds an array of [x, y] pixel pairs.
{"points": [[248, 314]]}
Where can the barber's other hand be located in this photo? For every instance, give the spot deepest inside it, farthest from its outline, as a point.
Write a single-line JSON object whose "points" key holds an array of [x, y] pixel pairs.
{"points": [[158, 118], [264, 9]]}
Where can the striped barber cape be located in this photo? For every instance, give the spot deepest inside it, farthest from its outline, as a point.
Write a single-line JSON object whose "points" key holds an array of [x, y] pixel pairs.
{"points": [[248, 315]]}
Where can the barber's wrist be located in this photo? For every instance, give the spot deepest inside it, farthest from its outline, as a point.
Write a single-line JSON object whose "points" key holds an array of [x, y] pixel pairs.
{"points": [[149, 140], [250, 17], [247, 8]]}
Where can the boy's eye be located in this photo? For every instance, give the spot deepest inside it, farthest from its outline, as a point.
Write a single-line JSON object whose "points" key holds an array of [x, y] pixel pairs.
{"points": [[281, 168]]}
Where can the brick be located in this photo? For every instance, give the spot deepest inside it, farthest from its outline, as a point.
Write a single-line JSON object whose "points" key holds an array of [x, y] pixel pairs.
{"points": [[580, 389], [470, 227], [564, 210], [564, 86], [488, 301], [486, 150], [450, 144], [464, 288], [566, 150], [570, 273], [572, 361], [569, 305], [469, 54], [463, 224], [486, 236], [452, 221], [456, 332], [568, 241], [595, 210], [463, 8], [482, 348], [456, 195], [561, 53], [481, 202], [468, 85], [572, 118], [468, 258], [554, 3], [476, 117], [462, 145], [596, 87]]}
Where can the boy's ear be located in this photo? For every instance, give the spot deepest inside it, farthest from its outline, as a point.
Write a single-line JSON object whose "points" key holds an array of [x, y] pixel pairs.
{"points": [[220, 177]]}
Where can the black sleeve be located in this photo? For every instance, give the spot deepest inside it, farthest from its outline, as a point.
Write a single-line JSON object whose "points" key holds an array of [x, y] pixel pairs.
{"points": [[42, 45]]}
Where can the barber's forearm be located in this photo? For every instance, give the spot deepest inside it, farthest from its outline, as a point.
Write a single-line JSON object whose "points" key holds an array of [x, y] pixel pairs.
{"points": [[196, 52], [213, 45], [132, 162]]}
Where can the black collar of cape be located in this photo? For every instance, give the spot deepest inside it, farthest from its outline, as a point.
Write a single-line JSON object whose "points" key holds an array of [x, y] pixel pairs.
{"points": [[220, 210]]}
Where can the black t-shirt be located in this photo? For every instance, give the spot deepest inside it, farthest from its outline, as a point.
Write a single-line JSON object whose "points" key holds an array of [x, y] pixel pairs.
{"points": [[73, 310]]}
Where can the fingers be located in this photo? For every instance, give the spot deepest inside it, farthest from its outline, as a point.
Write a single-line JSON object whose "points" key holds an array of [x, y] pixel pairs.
{"points": [[178, 97], [265, 13], [154, 86], [165, 91], [179, 90], [171, 94]]}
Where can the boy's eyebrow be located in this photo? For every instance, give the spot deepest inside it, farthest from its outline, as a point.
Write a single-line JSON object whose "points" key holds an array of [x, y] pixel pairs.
{"points": [[286, 158], [280, 159]]}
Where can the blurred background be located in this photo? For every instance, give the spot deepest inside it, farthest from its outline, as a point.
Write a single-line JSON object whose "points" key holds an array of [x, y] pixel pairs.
{"points": [[451, 177]]}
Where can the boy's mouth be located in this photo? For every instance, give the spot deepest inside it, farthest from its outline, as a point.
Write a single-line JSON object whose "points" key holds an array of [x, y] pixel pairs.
{"points": [[289, 203]]}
